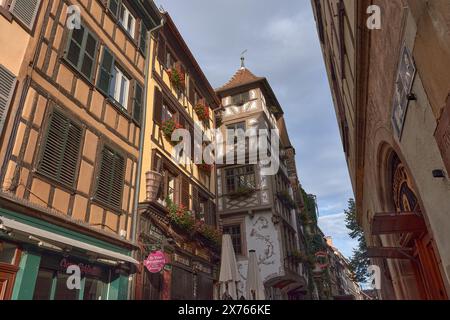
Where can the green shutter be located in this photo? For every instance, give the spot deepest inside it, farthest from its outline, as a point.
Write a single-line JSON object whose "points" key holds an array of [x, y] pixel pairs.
{"points": [[61, 151], [81, 50], [111, 178], [114, 7], [143, 38], [25, 11], [137, 106], [7, 86], [106, 71]]}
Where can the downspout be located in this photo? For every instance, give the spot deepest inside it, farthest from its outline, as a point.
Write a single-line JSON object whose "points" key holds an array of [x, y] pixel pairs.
{"points": [[141, 146]]}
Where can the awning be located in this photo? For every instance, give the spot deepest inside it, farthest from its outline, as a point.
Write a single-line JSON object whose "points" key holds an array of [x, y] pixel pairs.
{"points": [[394, 223], [34, 234], [390, 253]]}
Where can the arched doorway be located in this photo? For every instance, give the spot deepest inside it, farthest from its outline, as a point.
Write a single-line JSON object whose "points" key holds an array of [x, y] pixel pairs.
{"points": [[424, 259]]}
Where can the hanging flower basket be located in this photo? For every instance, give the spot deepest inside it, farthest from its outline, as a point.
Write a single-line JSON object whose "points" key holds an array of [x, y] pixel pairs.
{"points": [[168, 127], [177, 77], [202, 112]]}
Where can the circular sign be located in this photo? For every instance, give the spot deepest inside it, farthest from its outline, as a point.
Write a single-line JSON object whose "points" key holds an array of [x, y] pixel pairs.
{"points": [[155, 262], [321, 260]]}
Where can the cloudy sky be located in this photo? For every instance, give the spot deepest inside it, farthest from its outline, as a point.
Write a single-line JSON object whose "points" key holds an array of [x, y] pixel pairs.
{"points": [[283, 46]]}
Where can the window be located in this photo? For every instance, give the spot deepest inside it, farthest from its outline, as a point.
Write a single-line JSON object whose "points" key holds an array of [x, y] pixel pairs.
{"points": [[126, 19], [171, 187], [110, 178], [8, 84], [24, 10], [235, 233], [170, 60], [115, 83], [239, 178], [81, 50], [7, 252], [120, 87], [143, 38], [161, 109], [61, 151], [240, 99], [167, 113]]}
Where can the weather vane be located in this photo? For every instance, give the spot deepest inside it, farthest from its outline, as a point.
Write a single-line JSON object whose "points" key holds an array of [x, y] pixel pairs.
{"points": [[243, 59]]}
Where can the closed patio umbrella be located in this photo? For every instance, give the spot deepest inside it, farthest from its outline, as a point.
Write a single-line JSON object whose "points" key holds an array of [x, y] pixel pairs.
{"points": [[255, 286], [229, 276]]}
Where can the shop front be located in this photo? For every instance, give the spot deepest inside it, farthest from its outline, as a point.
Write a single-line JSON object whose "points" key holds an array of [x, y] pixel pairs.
{"points": [[43, 261]]}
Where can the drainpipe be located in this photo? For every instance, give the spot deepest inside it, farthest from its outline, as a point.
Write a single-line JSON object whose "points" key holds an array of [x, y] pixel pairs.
{"points": [[141, 147]]}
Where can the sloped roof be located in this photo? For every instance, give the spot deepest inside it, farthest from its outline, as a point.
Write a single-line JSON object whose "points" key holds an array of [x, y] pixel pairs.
{"points": [[242, 77]]}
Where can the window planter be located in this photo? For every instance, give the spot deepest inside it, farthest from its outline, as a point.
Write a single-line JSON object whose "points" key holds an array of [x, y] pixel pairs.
{"points": [[180, 217], [168, 127], [210, 235], [205, 167], [177, 77], [202, 112], [242, 192], [286, 199]]}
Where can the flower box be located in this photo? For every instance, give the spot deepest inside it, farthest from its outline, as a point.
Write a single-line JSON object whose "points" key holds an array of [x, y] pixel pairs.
{"points": [[180, 216], [205, 167], [286, 199], [168, 127], [202, 112], [177, 77], [243, 192]]}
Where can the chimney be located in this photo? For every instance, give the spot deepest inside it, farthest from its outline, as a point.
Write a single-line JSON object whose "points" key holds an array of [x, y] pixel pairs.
{"points": [[329, 241]]}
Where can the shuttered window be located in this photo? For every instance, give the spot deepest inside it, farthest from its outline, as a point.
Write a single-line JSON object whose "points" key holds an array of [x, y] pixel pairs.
{"points": [[143, 38], [25, 11], [183, 288], [157, 106], [81, 50], [185, 186], [191, 93], [61, 150], [7, 86], [113, 6], [137, 103], [110, 178], [106, 72], [162, 50]]}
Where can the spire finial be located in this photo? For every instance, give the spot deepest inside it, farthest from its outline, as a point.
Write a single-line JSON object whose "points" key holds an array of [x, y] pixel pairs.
{"points": [[243, 59]]}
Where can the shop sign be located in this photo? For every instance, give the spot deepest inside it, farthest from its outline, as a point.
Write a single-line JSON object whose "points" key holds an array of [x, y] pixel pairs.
{"points": [[85, 268], [155, 262], [442, 135], [181, 259], [321, 261]]}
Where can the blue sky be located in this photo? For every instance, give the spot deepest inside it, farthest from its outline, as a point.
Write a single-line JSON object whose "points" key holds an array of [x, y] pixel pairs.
{"points": [[283, 46]]}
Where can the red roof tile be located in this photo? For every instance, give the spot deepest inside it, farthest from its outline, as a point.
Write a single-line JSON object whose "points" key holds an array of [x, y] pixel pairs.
{"points": [[242, 77]]}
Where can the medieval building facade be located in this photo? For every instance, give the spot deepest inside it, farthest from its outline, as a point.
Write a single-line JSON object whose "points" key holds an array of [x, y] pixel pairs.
{"points": [[387, 64]]}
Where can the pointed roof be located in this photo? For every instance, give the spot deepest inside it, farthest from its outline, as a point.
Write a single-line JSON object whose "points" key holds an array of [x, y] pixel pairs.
{"points": [[242, 77]]}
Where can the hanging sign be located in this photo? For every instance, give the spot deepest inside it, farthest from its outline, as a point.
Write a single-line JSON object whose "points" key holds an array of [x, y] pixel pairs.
{"points": [[321, 260], [155, 262]]}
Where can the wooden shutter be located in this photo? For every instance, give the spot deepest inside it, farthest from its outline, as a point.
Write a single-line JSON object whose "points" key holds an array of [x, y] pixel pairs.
{"points": [[89, 52], [106, 71], [341, 21], [143, 38], [185, 191], [110, 178], [25, 11], [195, 201], [7, 86], [137, 105], [191, 92], [114, 7], [212, 218], [162, 50], [75, 46], [157, 106], [61, 149]]}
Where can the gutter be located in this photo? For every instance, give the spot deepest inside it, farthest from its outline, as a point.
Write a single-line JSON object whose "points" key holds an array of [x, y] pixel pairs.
{"points": [[141, 146]]}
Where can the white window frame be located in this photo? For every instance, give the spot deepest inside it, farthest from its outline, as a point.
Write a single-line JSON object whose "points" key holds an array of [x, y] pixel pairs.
{"points": [[120, 90], [125, 17]]}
